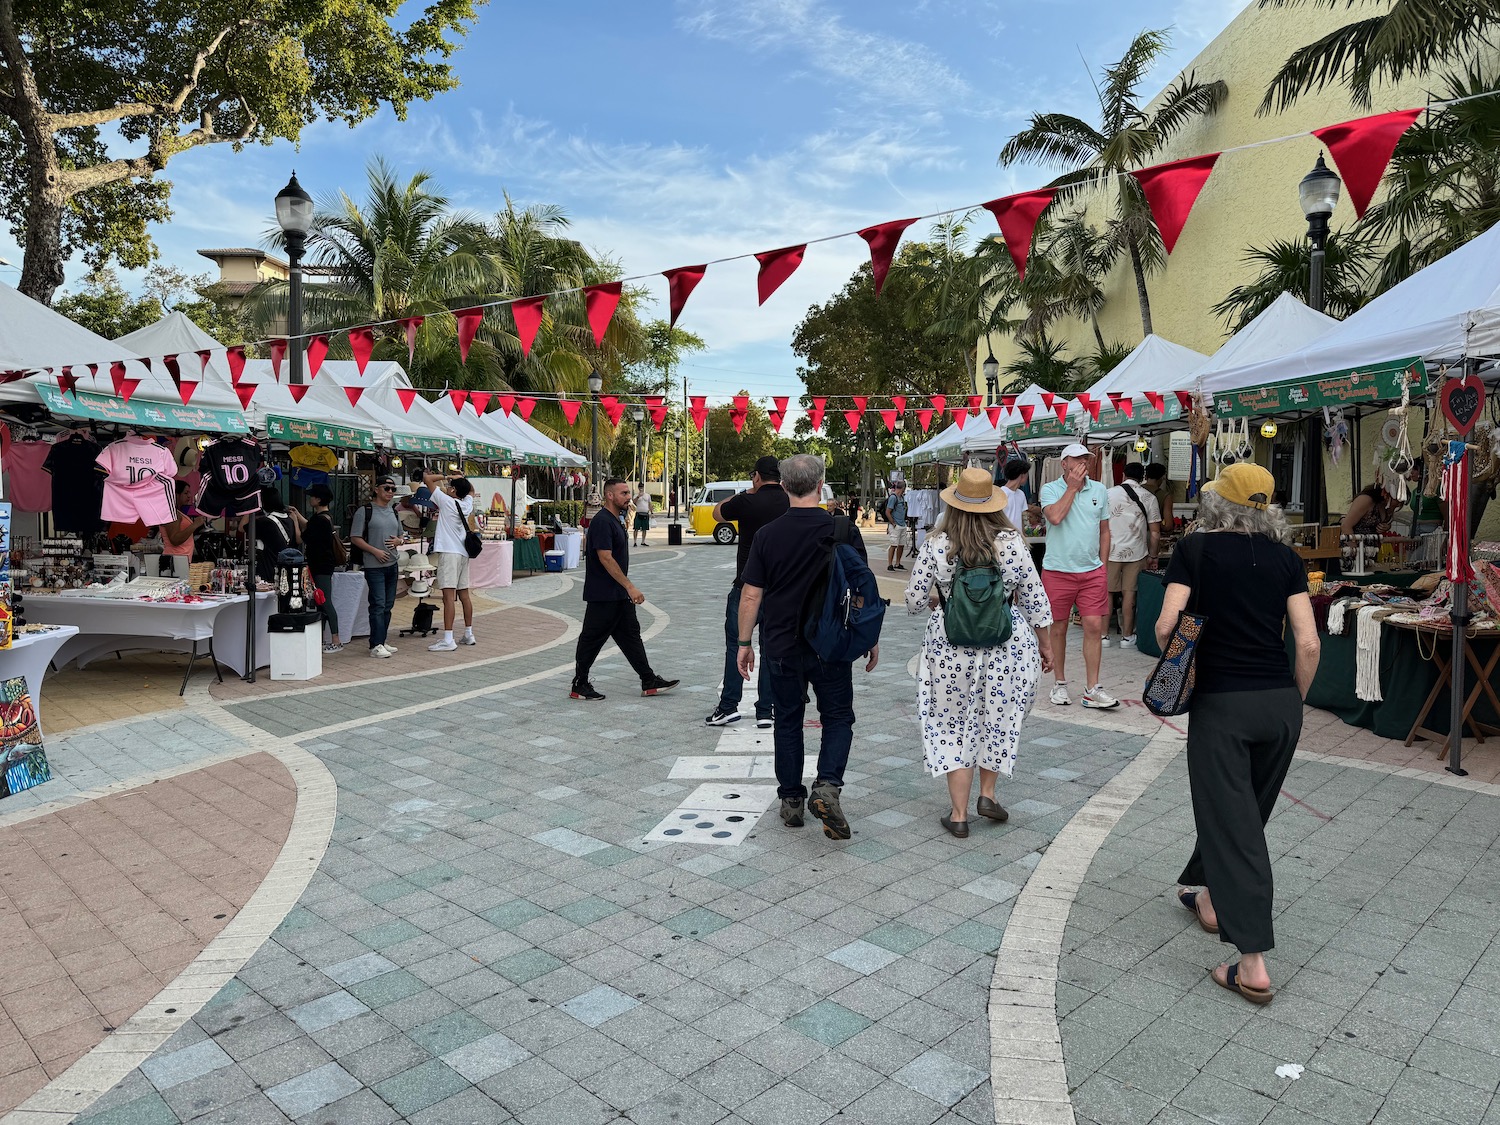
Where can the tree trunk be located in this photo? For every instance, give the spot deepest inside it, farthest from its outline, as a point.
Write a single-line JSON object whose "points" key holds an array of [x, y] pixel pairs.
{"points": [[42, 267], [1099, 336], [1140, 282]]}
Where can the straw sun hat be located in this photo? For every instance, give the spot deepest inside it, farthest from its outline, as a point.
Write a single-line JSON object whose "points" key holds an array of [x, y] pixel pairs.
{"points": [[974, 491]]}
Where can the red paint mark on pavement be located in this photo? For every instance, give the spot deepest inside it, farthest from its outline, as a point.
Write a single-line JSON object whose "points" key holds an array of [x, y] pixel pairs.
{"points": [[1305, 805]]}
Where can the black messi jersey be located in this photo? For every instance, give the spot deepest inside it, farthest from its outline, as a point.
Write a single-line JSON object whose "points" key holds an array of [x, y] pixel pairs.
{"points": [[231, 484]]}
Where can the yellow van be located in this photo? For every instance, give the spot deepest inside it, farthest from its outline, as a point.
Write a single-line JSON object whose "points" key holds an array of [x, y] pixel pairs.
{"points": [[716, 492]]}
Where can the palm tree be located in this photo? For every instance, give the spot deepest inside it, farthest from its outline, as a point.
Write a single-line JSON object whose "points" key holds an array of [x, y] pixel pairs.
{"points": [[1408, 38], [1127, 137], [1045, 363], [1284, 266], [1065, 277]]}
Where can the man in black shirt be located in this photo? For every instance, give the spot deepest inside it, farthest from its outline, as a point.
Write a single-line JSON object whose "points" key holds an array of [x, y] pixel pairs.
{"points": [[610, 598], [787, 558], [752, 510]]}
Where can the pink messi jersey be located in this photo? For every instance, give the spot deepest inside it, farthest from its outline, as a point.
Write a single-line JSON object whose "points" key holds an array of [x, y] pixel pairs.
{"points": [[139, 482]]}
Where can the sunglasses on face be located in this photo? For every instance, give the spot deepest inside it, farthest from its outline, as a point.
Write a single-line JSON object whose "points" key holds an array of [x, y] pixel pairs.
{"points": [[387, 488]]}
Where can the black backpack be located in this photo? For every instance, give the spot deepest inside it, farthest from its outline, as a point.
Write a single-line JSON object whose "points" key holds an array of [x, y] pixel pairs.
{"points": [[421, 617]]}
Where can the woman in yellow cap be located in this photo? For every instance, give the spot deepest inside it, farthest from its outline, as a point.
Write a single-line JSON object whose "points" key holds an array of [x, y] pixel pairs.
{"points": [[1246, 711], [972, 700]]}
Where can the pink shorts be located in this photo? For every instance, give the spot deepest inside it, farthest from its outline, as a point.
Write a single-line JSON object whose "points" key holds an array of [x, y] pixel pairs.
{"points": [[1089, 591]]}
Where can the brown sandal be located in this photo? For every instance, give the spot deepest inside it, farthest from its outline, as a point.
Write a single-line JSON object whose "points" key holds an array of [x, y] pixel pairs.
{"points": [[1231, 981], [1189, 899]]}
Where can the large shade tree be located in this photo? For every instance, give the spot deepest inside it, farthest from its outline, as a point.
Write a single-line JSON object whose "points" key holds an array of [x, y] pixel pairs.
{"points": [[96, 98], [1131, 132]]}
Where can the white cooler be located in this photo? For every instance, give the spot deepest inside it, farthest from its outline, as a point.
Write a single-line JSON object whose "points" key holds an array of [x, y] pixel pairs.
{"points": [[297, 656]]}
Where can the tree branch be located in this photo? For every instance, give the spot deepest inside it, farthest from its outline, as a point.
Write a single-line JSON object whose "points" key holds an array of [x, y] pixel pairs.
{"points": [[77, 180]]}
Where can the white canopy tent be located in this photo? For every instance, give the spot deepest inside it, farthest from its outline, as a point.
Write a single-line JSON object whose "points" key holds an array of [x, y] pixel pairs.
{"points": [[1155, 364], [1283, 326], [1013, 425]]}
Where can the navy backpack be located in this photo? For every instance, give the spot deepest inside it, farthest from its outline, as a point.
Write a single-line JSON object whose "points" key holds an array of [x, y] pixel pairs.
{"points": [[846, 609]]}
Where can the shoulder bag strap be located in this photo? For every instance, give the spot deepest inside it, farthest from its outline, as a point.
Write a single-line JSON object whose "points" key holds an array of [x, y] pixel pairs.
{"points": [[1137, 500]]}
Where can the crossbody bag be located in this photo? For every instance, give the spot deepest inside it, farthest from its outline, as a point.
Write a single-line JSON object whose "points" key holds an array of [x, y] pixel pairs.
{"points": [[473, 545], [1169, 688]]}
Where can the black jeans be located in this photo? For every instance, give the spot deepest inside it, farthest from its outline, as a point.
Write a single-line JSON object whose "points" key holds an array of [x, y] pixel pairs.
{"points": [[734, 683], [1239, 748], [833, 684], [611, 621]]}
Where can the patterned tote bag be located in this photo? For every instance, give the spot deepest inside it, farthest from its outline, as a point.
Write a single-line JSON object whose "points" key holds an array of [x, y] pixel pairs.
{"points": [[1169, 688]]}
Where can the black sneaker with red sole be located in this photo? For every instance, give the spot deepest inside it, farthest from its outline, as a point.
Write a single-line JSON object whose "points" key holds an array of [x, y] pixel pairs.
{"points": [[585, 691], [657, 685]]}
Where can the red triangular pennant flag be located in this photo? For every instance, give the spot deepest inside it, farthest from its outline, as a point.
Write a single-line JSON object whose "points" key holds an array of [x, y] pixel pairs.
{"points": [[93, 370], [1115, 398], [278, 353], [245, 392], [599, 302], [775, 267], [1048, 398], [883, 240], [1027, 412], [899, 402], [185, 390], [127, 388], [317, 348], [1362, 148], [1184, 399], [658, 416], [698, 411], [410, 326], [852, 417], [458, 398], [570, 408], [739, 422], [202, 362], [507, 403], [994, 413], [1008, 401], [298, 391], [859, 402], [742, 403], [170, 362], [960, 416], [680, 285], [467, 322], [235, 357], [1126, 407], [146, 362], [480, 400], [1017, 216], [353, 394], [67, 382], [407, 395], [1172, 189], [940, 404], [924, 417], [614, 411], [1154, 398], [361, 343], [117, 374], [889, 418], [1060, 408], [525, 407], [528, 316], [974, 403], [815, 415], [1093, 406], [781, 402], [776, 417]]}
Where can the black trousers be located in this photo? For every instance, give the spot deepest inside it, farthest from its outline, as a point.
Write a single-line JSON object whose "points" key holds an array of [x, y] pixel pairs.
{"points": [[611, 621], [1239, 748]]}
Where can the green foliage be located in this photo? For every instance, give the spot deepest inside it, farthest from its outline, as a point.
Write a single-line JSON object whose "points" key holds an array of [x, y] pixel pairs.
{"points": [[1106, 359], [1047, 364], [1285, 266], [731, 456], [104, 307], [664, 345]]}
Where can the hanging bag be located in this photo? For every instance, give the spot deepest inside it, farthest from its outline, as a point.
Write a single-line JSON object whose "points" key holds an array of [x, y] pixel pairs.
{"points": [[473, 545], [977, 614], [1169, 688]]}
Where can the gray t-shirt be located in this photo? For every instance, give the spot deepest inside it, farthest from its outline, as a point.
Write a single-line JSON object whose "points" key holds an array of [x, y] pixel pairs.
{"points": [[383, 525]]}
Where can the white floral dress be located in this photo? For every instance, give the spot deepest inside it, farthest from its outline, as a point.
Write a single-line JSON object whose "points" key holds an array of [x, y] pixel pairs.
{"points": [[972, 701]]}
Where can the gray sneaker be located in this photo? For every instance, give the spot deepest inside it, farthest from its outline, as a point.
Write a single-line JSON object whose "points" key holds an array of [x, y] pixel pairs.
{"points": [[791, 811], [824, 804]]}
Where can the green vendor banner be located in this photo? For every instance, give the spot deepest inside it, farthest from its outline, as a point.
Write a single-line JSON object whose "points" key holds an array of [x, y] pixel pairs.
{"points": [[1380, 382], [418, 443], [483, 451], [1142, 414], [142, 412], [318, 433]]}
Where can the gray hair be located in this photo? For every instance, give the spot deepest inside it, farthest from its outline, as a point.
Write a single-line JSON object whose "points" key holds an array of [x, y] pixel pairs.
{"points": [[1218, 514], [801, 474]]}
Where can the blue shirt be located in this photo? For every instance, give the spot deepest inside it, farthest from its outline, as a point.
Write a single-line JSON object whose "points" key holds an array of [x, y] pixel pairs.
{"points": [[1073, 545], [895, 509]]}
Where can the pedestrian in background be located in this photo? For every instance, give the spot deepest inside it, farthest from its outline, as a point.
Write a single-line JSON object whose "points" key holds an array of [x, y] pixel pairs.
{"points": [[788, 557], [322, 549], [751, 511], [1013, 480], [642, 525], [375, 532], [897, 533], [972, 701], [1134, 537], [454, 504], [1246, 709]]}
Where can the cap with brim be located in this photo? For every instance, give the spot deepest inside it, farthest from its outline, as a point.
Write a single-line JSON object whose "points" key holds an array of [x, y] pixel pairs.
{"points": [[768, 468], [974, 491], [1076, 450], [1244, 483]]}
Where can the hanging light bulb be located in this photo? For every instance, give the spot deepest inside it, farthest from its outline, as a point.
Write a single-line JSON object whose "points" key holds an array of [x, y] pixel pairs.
{"points": [[1141, 445], [453, 466], [396, 462], [1268, 428]]}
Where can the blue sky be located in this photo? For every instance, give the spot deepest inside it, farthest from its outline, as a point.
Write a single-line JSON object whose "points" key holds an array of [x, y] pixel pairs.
{"points": [[673, 133]]}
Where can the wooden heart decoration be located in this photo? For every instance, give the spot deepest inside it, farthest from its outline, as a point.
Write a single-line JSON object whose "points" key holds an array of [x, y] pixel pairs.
{"points": [[1462, 400]]}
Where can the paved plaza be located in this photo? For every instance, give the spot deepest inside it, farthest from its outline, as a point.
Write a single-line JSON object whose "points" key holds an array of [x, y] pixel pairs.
{"points": [[435, 890]]}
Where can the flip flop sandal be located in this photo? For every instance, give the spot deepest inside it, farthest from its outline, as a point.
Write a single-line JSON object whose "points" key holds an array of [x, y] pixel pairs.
{"points": [[1189, 899], [1233, 983]]}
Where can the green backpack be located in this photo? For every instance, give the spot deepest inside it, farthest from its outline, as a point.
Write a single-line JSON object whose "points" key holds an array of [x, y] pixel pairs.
{"points": [[978, 613]]}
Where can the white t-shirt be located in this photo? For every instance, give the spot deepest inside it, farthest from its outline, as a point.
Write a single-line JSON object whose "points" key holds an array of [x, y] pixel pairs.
{"points": [[643, 504], [1015, 506], [1129, 530], [447, 535]]}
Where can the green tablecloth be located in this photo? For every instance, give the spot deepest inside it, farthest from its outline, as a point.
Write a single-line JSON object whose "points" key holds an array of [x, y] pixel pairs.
{"points": [[1150, 591], [528, 555]]}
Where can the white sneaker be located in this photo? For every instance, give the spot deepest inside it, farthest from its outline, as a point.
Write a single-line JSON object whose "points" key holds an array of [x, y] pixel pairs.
{"points": [[332, 648], [390, 649], [443, 646], [1104, 641], [1128, 642], [1059, 695], [467, 639], [379, 652], [1099, 699]]}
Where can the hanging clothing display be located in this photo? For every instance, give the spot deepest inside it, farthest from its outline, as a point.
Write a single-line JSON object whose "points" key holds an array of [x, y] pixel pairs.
{"points": [[231, 477], [139, 481], [77, 485], [27, 486], [311, 464]]}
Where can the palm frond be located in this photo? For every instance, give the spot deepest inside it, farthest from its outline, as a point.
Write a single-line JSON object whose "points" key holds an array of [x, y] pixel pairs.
{"points": [[1118, 93], [1054, 138], [1184, 100]]}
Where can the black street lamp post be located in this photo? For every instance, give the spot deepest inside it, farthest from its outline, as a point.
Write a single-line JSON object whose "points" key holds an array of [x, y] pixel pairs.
{"points": [[596, 384], [640, 436], [294, 212], [991, 368], [676, 489], [1319, 194]]}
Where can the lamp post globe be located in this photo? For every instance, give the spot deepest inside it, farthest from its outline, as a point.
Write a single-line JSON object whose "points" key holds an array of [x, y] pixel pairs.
{"points": [[294, 214], [1318, 194], [991, 368]]}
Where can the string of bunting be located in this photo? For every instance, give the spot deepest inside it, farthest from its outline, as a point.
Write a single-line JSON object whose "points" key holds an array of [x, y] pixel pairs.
{"points": [[1361, 149]]}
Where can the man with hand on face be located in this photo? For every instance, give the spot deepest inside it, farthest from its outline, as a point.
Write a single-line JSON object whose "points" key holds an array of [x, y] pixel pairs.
{"points": [[1077, 511], [610, 598], [454, 505]]}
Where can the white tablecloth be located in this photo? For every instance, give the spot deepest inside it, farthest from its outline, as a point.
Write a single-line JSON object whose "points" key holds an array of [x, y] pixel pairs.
{"points": [[29, 656], [493, 567], [106, 626], [229, 634], [571, 545], [351, 601]]}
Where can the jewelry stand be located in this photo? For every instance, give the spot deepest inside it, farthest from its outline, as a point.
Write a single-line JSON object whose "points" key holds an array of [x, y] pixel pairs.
{"points": [[1361, 567]]}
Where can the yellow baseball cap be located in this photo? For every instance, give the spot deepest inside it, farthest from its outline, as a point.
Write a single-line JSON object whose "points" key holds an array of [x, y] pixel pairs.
{"points": [[1246, 484]]}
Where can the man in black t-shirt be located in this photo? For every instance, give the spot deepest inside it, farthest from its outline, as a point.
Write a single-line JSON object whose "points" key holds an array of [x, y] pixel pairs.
{"points": [[787, 558], [610, 598], [752, 510]]}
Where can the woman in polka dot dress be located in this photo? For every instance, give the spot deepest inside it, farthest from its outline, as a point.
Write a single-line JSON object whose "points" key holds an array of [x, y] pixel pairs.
{"points": [[973, 700]]}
